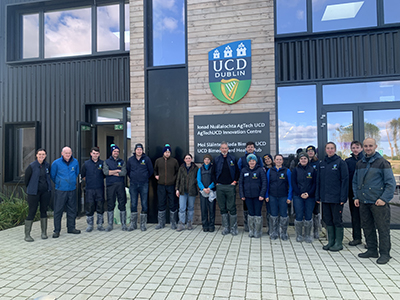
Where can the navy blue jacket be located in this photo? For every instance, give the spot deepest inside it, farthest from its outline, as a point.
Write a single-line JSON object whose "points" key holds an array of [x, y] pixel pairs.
{"points": [[351, 165], [139, 171], [242, 162], [37, 172], [332, 180], [93, 172], [304, 180], [114, 164], [279, 183], [315, 164], [252, 183], [64, 174], [233, 168]]}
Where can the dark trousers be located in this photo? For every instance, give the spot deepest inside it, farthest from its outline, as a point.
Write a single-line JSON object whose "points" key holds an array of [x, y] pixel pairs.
{"points": [[116, 191], [226, 197], [207, 212], [94, 202], [254, 206], [245, 208], [64, 199], [42, 198], [316, 209], [278, 206], [376, 217], [167, 193], [136, 189], [303, 208], [332, 214], [355, 218]]}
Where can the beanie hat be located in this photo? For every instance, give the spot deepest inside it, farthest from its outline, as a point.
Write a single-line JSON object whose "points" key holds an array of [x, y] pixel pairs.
{"points": [[114, 147], [311, 147], [301, 154], [298, 151], [138, 146], [167, 147], [251, 157], [207, 156], [269, 155]]}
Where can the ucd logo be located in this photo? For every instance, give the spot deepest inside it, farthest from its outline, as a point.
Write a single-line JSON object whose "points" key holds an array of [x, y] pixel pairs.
{"points": [[229, 71]]}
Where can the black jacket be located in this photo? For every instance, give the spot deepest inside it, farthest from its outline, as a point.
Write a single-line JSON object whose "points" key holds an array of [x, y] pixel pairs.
{"points": [[252, 183], [304, 180]]}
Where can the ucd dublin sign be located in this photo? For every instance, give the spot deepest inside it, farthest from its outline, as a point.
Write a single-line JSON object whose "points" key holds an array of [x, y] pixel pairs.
{"points": [[229, 71]]}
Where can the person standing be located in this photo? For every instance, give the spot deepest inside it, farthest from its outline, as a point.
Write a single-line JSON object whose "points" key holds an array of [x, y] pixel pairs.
{"points": [[332, 191], [316, 217], [373, 186], [165, 171], [64, 172], [115, 171], [356, 156], [92, 173], [268, 164], [226, 174], [38, 188], [139, 169]]}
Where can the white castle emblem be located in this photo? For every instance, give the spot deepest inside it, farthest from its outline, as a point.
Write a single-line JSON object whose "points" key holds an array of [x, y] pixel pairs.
{"points": [[241, 50], [216, 54], [228, 51]]}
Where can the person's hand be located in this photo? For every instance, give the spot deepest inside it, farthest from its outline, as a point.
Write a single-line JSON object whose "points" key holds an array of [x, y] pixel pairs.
{"points": [[157, 177], [288, 201], [177, 193], [341, 203], [261, 198], [266, 199], [318, 202], [207, 190], [380, 202], [357, 203], [233, 183], [243, 198]]}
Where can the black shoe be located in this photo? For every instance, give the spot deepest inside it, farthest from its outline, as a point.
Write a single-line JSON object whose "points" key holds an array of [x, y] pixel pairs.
{"points": [[56, 235], [205, 229], [383, 259], [355, 243], [212, 229], [368, 254], [74, 231]]}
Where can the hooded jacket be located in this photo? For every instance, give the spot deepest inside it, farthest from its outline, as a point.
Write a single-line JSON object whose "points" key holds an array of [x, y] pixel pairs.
{"points": [[252, 182]]}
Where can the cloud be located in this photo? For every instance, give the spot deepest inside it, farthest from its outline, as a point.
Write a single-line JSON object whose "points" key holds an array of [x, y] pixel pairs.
{"points": [[292, 136], [30, 36], [300, 14], [168, 4], [170, 24]]}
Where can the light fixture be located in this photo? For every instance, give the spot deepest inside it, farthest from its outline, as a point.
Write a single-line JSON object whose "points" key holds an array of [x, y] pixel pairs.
{"points": [[342, 11]]}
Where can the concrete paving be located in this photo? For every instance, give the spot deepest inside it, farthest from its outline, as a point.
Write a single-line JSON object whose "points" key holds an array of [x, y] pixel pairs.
{"points": [[165, 264]]}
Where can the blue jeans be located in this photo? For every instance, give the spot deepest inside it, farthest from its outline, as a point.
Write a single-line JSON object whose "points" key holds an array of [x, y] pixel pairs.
{"points": [[278, 206], [134, 190], [183, 200], [303, 208], [254, 206]]}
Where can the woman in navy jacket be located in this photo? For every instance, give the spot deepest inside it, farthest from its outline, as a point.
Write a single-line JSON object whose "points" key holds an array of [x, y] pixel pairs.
{"points": [[332, 191], [37, 181], [304, 183], [252, 188]]}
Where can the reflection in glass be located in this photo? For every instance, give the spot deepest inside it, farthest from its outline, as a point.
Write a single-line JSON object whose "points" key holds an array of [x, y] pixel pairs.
{"points": [[108, 28], [169, 36], [67, 32], [128, 124], [127, 29], [385, 91], [296, 118], [291, 16], [343, 14], [340, 131], [25, 147], [391, 11], [106, 115], [30, 36]]}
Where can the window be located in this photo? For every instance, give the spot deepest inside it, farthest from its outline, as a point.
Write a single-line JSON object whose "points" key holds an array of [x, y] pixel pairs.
{"points": [[108, 28], [169, 36], [30, 36], [109, 115], [21, 142], [391, 11], [291, 16], [127, 28], [297, 121]]}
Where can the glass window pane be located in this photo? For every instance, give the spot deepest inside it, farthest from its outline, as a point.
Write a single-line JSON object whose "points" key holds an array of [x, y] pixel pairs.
{"points": [[127, 29], [108, 28], [391, 10], [25, 148], [291, 16], [385, 91], [168, 32], [67, 32], [340, 131], [113, 115], [343, 14], [297, 119], [30, 36]]}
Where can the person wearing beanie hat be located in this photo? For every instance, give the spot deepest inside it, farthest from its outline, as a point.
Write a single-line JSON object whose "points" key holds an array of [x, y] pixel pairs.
{"points": [[314, 162], [139, 170], [242, 162], [207, 187], [268, 161], [165, 171], [115, 171], [252, 189]]}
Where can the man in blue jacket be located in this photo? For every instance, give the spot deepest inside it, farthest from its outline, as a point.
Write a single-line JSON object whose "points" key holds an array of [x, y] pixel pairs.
{"points": [[373, 187], [139, 169], [64, 172]]}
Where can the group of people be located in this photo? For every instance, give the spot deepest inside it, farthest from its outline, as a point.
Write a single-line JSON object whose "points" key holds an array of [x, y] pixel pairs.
{"points": [[366, 180]]}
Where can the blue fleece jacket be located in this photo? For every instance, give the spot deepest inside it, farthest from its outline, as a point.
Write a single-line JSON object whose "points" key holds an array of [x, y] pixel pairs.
{"points": [[64, 174]]}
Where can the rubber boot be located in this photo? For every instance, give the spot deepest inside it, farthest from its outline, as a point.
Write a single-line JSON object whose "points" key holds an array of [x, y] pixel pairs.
{"points": [[172, 219], [284, 222], [28, 228], [233, 223], [338, 240], [143, 222], [331, 237], [100, 221], [43, 227], [89, 221], [298, 226], [317, 226], [258, 226], [181, 227], [225, 224], [246, 221], [273, 227], [123, 220], [161, 219], [110, 220], [267, 225], [250, 222], [307, 231], [133, 224], [189, 225]]}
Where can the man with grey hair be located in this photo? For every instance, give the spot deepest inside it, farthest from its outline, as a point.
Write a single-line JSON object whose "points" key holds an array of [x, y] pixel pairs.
{"points": [[64, 172]]}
